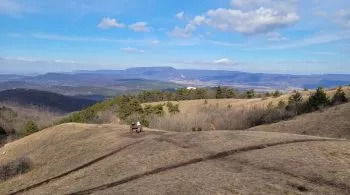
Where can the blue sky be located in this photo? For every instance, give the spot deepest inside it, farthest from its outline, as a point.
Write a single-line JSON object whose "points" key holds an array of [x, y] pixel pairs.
{"points": [[275, 36]]}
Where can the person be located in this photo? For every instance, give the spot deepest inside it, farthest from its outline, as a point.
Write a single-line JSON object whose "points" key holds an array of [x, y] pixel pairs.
{"points": [[139, 127], [133, 126]]}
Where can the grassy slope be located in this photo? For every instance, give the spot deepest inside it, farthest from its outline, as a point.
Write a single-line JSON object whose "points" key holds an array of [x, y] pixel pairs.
{"points": [[192, 106], [332, 122], [146, 166]]}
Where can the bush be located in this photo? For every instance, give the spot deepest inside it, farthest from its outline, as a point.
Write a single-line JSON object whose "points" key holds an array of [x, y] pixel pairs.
{"points": [[317, 101], [276, 94], [281, 104], [250, 94], [19, 166], [29, 128], [2, 132], [156, 109], [173, 108], [339, 97], [295, 103]]}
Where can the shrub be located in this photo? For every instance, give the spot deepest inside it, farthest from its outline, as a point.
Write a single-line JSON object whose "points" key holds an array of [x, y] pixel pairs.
{"points": [[295, 103], [2, 132], [29, 128], [173, 108], [250, 94], [19, 166], [339, 97], [156, 109], [205, 101], [276, 94], [306, 89], [281, 104], [317, 100]]}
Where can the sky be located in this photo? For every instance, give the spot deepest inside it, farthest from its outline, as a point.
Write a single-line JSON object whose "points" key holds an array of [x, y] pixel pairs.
{"points": [[270, 36]]}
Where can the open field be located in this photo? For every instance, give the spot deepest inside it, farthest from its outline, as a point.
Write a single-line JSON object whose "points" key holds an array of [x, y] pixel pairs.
{"points": [[106, 159]]}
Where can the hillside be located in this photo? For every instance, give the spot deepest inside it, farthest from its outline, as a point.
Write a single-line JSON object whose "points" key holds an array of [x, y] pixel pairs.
{"points": [[332, 122], [106, 159], [44, 99]]}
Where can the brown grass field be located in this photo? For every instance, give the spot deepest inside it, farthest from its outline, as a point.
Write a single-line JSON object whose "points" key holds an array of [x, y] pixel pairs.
{"points": [[107, 159], [304, 155]]}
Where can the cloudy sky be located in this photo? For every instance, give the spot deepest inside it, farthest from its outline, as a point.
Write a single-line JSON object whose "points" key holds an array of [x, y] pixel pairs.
{"points": [[279, 36]]}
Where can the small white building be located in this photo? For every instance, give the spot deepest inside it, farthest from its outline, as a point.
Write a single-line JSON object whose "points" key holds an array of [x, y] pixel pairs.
{"points": [[190, 88]]}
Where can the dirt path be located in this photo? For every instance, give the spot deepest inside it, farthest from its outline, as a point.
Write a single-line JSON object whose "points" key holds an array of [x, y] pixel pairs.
{"points": [[207, 158]]}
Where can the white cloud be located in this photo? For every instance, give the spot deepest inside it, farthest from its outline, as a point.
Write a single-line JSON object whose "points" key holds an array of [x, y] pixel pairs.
{"points": [[180, 15], [132, 50], [109, 23], [275, 36], [343, 18], [140, 27], [316, 40], [183, 32], [261, 20], [249, 3], [14, 8], [217, 63], [224, 61], [57, 37]]}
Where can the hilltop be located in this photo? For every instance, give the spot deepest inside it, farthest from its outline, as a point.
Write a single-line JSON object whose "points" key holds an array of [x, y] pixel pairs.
{"points": [[301, 155], [106, 159]]}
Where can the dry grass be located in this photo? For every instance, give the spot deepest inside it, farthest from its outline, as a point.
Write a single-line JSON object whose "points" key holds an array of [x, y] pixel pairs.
{"points": [[12, 169], [243, 114], [41, 116], [332, 122], [65, 147], [192, 107]]}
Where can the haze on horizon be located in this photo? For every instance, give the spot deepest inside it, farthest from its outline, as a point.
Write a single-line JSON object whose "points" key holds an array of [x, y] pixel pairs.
{"points": [[272, 36]]}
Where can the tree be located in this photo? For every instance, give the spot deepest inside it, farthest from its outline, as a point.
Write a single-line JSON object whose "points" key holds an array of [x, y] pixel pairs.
{"points": [[3, 133], [219, 93], [317, 100], [276, 94], [250, 94], [29, 128], [281, 104], [173, 108], [295, 103], [339, 97]]}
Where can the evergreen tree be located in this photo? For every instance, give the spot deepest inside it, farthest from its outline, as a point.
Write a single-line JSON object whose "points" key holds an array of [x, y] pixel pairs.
{"points": [[219, 93], [339, 97], [317, 100], [295, 103]]}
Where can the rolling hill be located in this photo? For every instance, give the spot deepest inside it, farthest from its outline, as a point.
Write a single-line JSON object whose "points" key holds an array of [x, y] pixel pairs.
{"points": [[107, 159]]}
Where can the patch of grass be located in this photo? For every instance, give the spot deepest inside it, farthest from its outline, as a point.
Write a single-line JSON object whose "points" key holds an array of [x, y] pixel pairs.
{"points": [[17, 167]]}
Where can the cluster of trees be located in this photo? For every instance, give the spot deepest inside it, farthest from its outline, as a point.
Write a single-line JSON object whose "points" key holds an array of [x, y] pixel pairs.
{"points": [[128, 108], [193, 94], [295, 106], [316, 101]]}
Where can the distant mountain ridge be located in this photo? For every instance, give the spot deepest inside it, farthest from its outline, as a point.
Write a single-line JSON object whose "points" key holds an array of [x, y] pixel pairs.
{"points": [[113, 82]]}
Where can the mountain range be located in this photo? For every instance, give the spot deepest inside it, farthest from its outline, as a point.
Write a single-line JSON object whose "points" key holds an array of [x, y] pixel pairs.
{"points": [[114, 82]]}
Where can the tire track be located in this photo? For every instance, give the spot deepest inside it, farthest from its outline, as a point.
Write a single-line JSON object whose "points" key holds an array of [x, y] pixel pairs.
{"points": [[194, 161], [75, 169], [314, 180]]}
